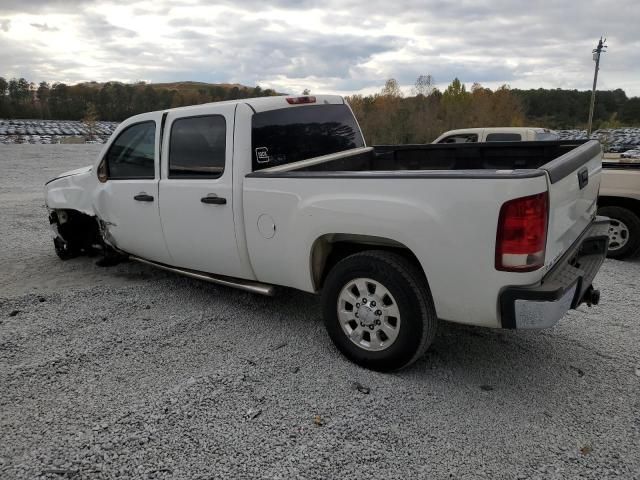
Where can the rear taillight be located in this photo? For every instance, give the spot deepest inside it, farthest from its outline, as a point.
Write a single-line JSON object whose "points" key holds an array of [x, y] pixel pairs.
{"points": [[522, 233], [299, 100]]}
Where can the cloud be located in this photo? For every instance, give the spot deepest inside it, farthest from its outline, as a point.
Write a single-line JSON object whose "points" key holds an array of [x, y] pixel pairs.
{"points": [[43, 27], [328, 45], [97, 27], [39, 6]]}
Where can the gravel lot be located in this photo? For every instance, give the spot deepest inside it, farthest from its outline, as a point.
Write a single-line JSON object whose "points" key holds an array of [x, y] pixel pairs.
{"points": [[136, 373]]}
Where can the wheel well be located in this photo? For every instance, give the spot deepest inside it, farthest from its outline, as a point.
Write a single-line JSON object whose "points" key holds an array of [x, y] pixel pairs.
{"points": [[625, 202], [76, 227], [329, 249]]}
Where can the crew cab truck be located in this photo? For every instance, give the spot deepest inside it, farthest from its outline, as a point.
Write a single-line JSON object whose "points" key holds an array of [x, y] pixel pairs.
{"points": [[497, 134], [619, 200], [283, 191]]}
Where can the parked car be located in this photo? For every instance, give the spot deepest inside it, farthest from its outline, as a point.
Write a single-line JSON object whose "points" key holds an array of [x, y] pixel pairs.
{"points": [[634, 154], [256, 193], [617, 148], [620, 201], [497, 134]]}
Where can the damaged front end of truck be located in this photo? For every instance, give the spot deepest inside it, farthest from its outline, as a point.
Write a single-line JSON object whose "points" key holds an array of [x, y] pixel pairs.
{"points": [[75, 227]]}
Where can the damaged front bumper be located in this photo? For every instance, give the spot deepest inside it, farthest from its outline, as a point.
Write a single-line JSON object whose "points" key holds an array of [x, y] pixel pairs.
{"points": [[565, 286]]}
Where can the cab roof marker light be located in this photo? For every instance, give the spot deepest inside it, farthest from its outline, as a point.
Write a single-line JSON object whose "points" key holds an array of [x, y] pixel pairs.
{"points": [[300, 100]]}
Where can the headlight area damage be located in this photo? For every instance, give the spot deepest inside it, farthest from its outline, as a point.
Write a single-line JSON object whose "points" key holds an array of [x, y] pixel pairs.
{"points": [[74, 233], [76, 229]]}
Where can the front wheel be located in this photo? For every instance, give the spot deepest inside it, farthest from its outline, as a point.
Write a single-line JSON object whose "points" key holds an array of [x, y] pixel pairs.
{"points": [[378, 310], [64, 249], [624, 231]]}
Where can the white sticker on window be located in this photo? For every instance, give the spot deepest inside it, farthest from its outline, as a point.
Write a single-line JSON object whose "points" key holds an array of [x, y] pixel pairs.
{"points": [[262, 155]]}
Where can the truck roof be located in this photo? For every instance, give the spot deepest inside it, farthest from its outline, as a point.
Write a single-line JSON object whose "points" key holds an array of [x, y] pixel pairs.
{"points": [[496, 129], [262, 104]]}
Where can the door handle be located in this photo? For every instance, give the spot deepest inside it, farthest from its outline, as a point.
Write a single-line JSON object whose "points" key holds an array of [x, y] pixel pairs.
{"points": [[143, 197], [214, 200]]}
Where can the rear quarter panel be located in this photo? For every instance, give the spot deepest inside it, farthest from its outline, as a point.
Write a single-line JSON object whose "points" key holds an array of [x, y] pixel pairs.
{"points": [[448, 223]]}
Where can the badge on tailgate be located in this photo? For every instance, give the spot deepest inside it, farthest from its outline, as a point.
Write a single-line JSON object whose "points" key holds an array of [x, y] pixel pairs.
{"points": [[583, 177]]}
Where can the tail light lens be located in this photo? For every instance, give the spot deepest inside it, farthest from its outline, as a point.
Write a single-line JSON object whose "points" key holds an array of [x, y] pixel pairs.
{"points": [[300, 100], [522, 233]]}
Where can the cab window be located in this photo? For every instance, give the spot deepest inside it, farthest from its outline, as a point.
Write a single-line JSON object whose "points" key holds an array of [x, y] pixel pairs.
{"points": [[197, 147], [460, 138], [504, 137], [131, 155]]}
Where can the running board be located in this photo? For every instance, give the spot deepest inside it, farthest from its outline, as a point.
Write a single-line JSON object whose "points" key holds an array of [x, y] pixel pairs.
{"points": [[247, 285]]}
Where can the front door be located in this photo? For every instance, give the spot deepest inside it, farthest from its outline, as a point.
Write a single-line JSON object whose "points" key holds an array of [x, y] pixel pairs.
{"points": [[127, 197], [196, 191]]}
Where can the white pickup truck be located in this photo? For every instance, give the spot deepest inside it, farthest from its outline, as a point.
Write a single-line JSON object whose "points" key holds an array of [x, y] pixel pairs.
{"points": [[497, 134], [257, 193]]}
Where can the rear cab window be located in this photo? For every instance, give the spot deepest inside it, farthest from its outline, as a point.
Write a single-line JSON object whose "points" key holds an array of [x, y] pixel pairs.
{"points": [[287, 135]]}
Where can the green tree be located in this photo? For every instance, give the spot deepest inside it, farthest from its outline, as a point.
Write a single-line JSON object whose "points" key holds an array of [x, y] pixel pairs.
{"points": [[42, 95], [630, 113], [456, 102], [4, 104]]}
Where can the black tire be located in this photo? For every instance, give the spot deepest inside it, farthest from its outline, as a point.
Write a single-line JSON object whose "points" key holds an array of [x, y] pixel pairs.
{"points": [[64, 250], [410, 290], [624, 216]]}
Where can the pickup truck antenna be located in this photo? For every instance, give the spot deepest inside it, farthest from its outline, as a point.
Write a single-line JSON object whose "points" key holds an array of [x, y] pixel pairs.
{"points": [[601, 47]]}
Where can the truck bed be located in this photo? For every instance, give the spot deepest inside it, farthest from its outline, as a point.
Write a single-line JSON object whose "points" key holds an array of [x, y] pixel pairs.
{"points": [[478, 156], [416, 196]]}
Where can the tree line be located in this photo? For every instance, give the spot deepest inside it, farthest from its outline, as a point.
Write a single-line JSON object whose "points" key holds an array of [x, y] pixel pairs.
{"points": [[388, 116], [113, 101]]}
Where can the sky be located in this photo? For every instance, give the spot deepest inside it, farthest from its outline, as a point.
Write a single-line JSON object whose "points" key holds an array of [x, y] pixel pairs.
{"points": [[326, 46]]}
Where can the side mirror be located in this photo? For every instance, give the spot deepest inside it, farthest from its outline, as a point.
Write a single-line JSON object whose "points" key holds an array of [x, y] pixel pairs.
{"points": [[102, 171]]}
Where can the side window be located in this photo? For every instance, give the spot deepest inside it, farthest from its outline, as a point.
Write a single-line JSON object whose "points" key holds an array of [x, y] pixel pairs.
{"points": [[460, 138], [504, 137], [197, 147], [546, 136], [131, 155]]}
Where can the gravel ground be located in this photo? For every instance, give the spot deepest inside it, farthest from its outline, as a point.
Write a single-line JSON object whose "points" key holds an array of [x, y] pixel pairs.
{"points": [[136, 373]]}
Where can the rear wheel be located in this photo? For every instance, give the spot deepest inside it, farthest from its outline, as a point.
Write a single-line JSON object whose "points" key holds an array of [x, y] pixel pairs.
{"points": [[624, 231], [378, 310]]}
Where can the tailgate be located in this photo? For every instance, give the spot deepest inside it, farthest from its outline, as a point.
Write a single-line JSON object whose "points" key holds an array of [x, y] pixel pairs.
{"points": [[574, 181]]}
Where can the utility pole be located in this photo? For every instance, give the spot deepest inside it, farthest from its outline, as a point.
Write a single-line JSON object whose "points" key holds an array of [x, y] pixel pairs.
{"points": [[596, 58]]}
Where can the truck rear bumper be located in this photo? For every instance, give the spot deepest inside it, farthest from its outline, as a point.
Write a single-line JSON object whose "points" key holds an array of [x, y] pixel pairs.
{"points": [[565, 286]]}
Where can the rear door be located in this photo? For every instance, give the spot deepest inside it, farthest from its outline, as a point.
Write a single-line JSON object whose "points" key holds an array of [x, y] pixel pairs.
{"points": [[196, 191], [574, 180]]}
